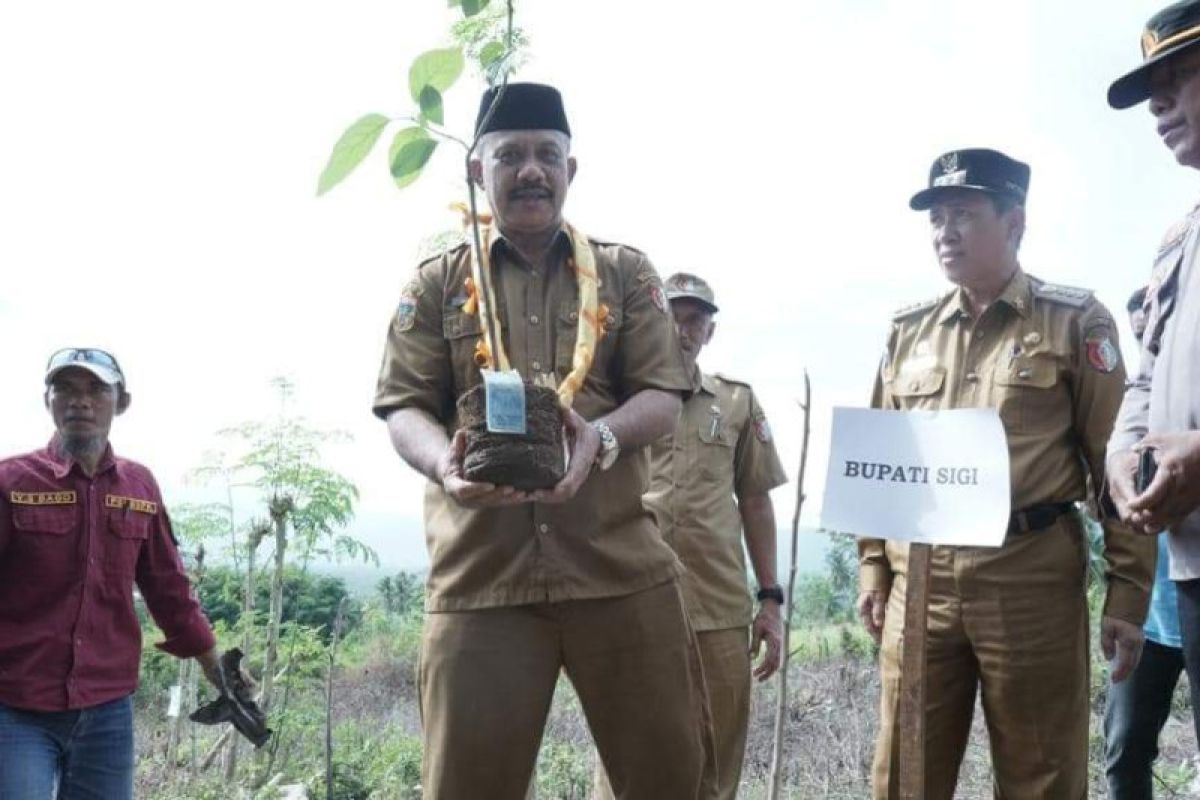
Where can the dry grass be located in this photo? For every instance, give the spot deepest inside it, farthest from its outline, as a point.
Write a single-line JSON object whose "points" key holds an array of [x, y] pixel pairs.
{"points": [[830, 731]]}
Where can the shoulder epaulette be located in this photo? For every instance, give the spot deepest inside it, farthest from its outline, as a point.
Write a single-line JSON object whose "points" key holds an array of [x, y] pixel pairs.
{"points": [[1178, 231], [1067, 295], [609, 243], [723, 377], [442, 244], [915, 308]]}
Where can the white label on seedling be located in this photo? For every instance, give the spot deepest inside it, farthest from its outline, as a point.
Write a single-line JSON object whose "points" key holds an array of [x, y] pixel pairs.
{"points": [[176, 701], [505, 396]]}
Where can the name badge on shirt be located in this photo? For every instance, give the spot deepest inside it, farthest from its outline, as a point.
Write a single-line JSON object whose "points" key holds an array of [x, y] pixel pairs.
{"points": [[42, 498], [504, 393], [132, 503]]}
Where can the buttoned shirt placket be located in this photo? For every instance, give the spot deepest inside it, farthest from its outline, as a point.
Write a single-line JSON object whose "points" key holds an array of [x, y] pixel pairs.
{"points": [[91, 513]]}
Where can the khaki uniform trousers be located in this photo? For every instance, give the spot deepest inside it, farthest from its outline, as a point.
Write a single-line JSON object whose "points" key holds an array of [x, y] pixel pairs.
{"points": [[1013, 621], [487, 678], [725, 655]]}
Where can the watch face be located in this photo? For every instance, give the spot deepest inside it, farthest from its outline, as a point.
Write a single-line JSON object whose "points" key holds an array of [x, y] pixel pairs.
{"points": [[608, 446]]}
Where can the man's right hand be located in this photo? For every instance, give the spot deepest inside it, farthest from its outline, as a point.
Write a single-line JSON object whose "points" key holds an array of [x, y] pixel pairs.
{"points": [[872, 605], [1122, 469], [469, 493]]}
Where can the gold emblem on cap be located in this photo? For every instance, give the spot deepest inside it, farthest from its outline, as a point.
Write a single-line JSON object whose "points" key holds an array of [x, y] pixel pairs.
{"points": [[1149, 41], [949, 163], [1032, 339]]}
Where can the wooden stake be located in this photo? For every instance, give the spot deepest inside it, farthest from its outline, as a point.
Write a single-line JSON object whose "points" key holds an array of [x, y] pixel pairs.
{"points": [[337, 632], [775, 778], [910, 719]]}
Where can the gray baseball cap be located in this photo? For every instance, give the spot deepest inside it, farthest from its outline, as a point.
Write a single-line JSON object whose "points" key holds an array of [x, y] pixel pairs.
{"points": [[685, 284]]}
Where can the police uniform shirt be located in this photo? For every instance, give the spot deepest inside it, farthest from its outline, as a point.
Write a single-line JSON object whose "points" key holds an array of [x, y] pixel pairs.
{"points": [[1162, 397], [600, 544], [721, 447], [1047, 358]]}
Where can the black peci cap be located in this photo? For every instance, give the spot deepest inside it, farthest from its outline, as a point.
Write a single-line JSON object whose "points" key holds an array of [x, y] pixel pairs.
{"points": [[522, 107], [977, 168]]}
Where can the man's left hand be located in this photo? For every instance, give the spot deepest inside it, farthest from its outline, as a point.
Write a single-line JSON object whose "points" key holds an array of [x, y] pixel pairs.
{"points": [[210, 663], [767, 627], [584, 444], [1175, 491], [1121, 642]]}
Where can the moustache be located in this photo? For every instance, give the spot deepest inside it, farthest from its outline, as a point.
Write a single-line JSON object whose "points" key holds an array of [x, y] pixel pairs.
{"points": [[530, 189]]}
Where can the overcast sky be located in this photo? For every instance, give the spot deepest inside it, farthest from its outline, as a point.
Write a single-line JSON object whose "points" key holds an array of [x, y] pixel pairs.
{"points": [[159, 161]]}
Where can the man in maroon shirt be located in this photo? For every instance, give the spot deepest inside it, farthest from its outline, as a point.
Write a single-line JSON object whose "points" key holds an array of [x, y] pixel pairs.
{"points": [[78, 528]]}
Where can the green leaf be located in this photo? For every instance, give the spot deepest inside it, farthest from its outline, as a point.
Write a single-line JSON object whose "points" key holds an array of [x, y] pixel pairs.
{"points": [[472, 7], [431, 106], [350, 150], [491, 53], [409, 154], [436, 68]]}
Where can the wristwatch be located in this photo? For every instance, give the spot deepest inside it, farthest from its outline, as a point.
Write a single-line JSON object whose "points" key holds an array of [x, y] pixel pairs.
{"points": [[609, 449], [771, 593]]}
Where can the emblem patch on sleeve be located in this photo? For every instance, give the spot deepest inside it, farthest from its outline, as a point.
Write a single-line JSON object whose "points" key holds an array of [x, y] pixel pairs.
{"points": [[762, 429], [406, 313], [648, 278], [1102, 354], [658, 297]]}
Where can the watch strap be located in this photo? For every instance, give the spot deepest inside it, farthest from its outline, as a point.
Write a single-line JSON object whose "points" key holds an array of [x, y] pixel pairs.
{"points": [[770, 593]]}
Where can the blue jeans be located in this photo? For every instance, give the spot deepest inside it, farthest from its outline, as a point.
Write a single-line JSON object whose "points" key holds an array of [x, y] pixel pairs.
{"points": [[67, 755], [1137, 709]]}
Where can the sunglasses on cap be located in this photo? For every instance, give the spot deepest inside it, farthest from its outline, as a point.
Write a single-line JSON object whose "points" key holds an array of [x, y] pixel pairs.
{"points": [[102, 363]]}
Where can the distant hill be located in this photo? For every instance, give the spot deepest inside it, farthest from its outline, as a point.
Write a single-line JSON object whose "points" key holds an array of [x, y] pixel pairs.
{"points": [[361, 579]]}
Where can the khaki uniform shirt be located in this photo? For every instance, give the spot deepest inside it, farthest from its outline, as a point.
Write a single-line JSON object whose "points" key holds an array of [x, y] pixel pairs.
{"points": [[603, 542], [721, 447], [1047, 358]]}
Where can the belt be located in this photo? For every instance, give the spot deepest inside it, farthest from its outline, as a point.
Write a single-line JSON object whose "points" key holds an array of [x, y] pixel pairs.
{"points": [[1034, 518]]}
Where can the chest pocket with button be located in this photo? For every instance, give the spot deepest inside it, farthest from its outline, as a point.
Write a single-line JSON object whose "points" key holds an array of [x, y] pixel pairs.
{"points": [[565, 336], [1030, 393], [128, 531], [919, 389], [462, 333], [40, 542], [715, 453]]}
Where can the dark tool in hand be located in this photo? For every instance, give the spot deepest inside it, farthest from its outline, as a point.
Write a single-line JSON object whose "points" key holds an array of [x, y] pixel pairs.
{"points": [[1147, 466], [235, 704]]}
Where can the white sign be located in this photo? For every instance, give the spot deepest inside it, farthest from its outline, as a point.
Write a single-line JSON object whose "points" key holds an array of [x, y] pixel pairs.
{"points": [[939, 477], [176, 701]]}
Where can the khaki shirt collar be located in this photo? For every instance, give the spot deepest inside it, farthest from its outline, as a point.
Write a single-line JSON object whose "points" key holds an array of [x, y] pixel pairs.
{"points": [[1017, 295], [708, 384], [500, 246]]}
